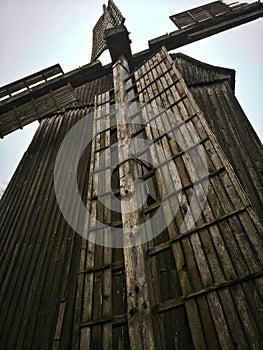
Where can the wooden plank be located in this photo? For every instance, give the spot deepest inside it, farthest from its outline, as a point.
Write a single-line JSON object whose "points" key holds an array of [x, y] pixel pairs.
{"points": [[220, 318], [32, 111], [46, 250], [196, 330], [107, 251], [247, 319], [25, 238], [84, 297], [96, 337], [219, 321], [139, 310], [216, 25], [61, 236], [228, 191]]}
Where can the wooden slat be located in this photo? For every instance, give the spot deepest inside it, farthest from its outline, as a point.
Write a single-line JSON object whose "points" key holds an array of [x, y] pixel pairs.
{"points": [[36, 109], [201, 248], [95, 297], [149, 131], [139, 309], [60, 291], [237, 16], [30, 80]]}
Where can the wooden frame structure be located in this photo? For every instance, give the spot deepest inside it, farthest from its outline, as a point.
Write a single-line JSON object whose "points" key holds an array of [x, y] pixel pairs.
{"points": [[197, 289]]}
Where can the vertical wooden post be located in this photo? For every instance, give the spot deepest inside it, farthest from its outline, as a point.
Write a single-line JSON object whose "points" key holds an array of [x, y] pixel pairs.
{"points": [[140, 320]]}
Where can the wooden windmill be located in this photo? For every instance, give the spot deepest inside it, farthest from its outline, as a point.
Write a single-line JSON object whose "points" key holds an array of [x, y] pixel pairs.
{"points": [[194, 288]]}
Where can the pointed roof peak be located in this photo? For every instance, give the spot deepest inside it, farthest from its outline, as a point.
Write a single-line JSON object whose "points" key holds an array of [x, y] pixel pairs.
{"points": [[111, 17]]}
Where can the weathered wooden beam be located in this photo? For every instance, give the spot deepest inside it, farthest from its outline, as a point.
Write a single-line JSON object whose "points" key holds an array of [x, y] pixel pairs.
{"points": [[115, 320], [140, 313], [174, 303], [215, 25], [163, 246], [30, 80], [118, 42], [76, 77]]}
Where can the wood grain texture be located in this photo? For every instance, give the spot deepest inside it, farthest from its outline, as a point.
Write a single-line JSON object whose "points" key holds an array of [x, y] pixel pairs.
{"points": [[201, 289]]}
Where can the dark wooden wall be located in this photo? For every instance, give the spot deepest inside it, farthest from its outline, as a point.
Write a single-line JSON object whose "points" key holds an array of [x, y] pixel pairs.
{"points": [[59, 290], [213, 89]]}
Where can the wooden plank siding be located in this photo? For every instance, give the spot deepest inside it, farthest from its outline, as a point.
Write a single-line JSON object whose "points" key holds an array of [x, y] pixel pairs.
{"points": [[139, 306], [202, 288], [76, 88], [200, 281], [213, 89], [39, 107], [199, 249], [240, 14], [233, 132], [195, 72], [39, 251], [29, 81]]}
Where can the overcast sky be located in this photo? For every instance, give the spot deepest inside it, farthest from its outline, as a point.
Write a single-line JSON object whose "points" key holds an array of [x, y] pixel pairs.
{"points": [[37, 34]]}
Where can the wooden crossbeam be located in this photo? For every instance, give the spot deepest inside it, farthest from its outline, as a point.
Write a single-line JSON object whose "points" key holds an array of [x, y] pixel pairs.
{"points": [[32, 79], [174, 303], [200, 30]]}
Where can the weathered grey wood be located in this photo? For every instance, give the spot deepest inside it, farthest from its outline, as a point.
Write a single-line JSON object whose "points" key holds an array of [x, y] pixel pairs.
{"points": [[139, 309], [196, 331], [107, 252], [85, 298], [224, 188], [236, 17], [95, 294], [213, 271], [22, 115]]}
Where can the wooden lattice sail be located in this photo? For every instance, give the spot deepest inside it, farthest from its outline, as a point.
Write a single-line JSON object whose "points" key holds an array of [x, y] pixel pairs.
{"points": [[194, 288]]}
